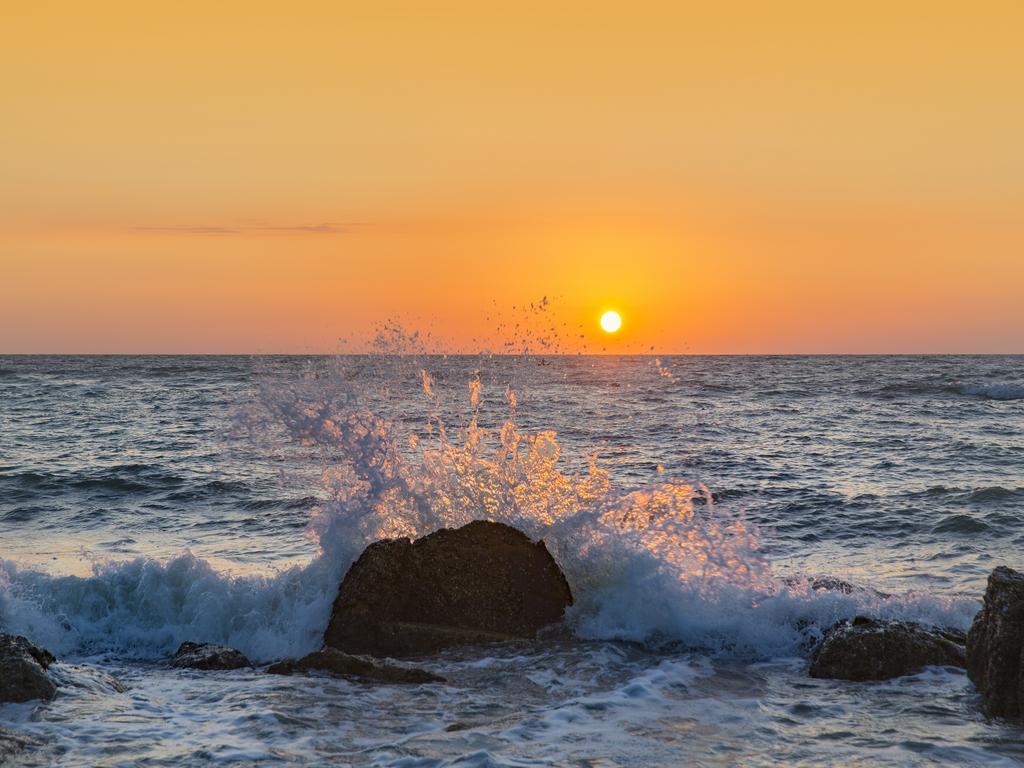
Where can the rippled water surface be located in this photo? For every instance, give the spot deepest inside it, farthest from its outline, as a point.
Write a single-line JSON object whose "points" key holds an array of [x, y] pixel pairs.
{"points": [[149, 500]]}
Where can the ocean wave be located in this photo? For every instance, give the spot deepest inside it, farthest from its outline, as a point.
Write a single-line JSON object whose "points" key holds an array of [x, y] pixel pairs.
{"points": [[995, 391], [926, 387], [995, 493], [961, 524], [898, 389], [122, 478], [660, 564], [144, 608]]}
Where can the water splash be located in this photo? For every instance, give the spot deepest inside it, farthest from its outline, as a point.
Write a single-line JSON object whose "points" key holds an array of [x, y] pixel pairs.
{"points": [[390, 479], [659, 564], [406, 451]]}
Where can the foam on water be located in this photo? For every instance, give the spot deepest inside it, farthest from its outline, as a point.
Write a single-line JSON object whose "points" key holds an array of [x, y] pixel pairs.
{"points": [[554, 705], [658, 563]]}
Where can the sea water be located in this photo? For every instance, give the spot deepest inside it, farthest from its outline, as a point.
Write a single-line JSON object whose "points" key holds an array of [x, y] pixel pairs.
{"points": [[691, 501]]}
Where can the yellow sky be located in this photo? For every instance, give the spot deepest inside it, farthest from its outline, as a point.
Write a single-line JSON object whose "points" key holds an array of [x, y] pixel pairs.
{"points": [[732, 177]]}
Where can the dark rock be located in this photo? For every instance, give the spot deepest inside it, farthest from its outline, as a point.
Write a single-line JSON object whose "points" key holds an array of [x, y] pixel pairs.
{"points": [[995, 645], [23, 668], [832, 584], [208, 656], [871, 649], [344, 664], [482, 583]]}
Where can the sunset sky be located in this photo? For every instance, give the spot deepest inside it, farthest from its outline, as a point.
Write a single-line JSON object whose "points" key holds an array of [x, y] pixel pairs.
{"points": [[731, 177]]}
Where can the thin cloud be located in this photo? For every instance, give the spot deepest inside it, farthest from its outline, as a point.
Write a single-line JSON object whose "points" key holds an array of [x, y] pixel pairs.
{"points": [[323, 228]]}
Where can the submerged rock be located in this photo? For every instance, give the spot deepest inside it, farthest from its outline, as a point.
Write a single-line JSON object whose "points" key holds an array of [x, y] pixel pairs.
{"points": [[208, 656], [831, 584], [338, 662], [872, 649], [86, 678], [995, 645], [481, 583], [23, 668]]}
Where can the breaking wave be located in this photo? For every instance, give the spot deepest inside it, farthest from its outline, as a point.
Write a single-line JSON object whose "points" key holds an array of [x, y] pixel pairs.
{"points": [[144, 608], [661, 563]]}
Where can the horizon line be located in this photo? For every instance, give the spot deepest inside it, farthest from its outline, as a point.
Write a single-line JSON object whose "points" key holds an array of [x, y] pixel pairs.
{"points": [[512, 354]]}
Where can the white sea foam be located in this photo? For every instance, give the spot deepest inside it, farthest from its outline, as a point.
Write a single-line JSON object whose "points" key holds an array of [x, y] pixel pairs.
{"points": [[145, 608]]}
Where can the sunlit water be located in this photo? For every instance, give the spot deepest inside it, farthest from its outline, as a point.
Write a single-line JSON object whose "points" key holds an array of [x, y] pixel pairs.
{"points": [[149, 500]]}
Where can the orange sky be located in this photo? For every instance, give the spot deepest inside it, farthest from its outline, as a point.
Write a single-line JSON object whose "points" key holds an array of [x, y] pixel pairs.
{"points": [[732, 177]]}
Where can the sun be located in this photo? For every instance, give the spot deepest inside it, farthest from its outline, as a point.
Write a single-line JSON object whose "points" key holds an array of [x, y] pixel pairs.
{"points": [[611, 321]]}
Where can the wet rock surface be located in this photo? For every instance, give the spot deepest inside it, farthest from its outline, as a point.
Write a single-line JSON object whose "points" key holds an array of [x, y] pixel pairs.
{"points": [[831, 584], [337, 662], [23, 666], [995, 645], [86, 678], [873, 649], [208, 656], [484, 582]]}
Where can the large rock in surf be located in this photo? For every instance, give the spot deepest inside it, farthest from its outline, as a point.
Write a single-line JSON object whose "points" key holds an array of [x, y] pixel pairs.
{"points": [[23, 668], [481, 583], [871, 649], [995, 645], [208, 656], [336, 662]]}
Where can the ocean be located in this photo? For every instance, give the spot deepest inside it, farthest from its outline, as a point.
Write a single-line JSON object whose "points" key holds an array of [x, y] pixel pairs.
{"points": [[691, 501]]}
